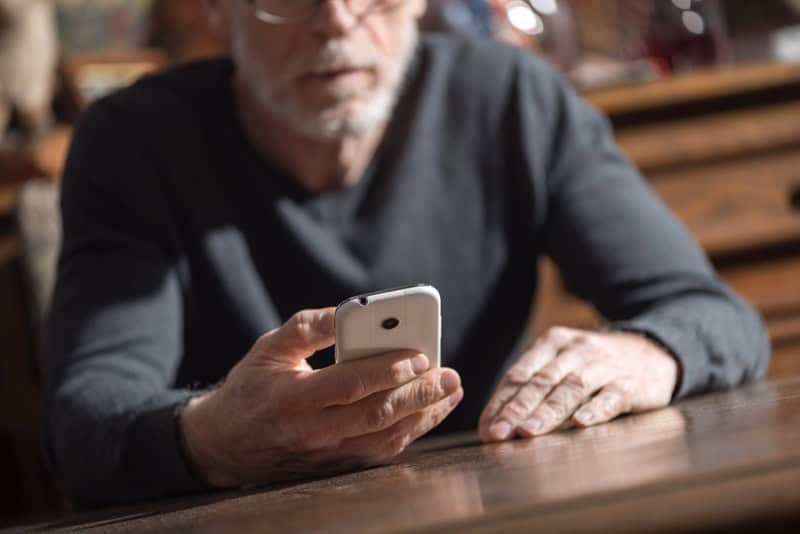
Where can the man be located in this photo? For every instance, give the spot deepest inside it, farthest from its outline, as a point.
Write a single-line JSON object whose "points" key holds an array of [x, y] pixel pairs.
{"points": [[336, 154]]}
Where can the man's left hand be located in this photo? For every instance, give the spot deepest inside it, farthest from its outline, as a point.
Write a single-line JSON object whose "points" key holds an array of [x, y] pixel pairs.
{"points": [[579, 376]]}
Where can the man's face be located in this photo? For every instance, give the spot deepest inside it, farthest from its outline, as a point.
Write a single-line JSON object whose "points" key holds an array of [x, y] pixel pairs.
{"points": [[334, 76]]}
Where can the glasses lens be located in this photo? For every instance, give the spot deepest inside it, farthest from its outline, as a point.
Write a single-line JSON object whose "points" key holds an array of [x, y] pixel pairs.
{"points": [[287, 9]]}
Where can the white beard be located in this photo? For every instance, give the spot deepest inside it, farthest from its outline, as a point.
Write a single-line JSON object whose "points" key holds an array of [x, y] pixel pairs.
{"points": [[339, 120]]}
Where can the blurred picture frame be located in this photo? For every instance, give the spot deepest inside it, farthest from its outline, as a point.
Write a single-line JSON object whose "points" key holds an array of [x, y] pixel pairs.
{"points": [[90, 76]]}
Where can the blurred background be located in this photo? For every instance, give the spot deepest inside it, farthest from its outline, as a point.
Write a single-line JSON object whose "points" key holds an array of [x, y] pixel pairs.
{"points": [[704, 96]]}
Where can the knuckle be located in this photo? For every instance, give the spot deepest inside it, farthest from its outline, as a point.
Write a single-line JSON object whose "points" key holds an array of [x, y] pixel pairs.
{"points": [[559, 334], [590, 342], [555, 407], [547, 378], [426, 392], [517, 376], [300, 322], [614, 403], [379, 416], [573, 387], [318, 441], [396, 445], [400, 372], [574, 383], [516, 410], [356, 386], [437, 415], [264, 339], [628, 387]]}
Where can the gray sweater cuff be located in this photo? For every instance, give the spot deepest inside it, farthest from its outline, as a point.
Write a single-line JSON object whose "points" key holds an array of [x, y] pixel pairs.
{"points": [[154, 460]]}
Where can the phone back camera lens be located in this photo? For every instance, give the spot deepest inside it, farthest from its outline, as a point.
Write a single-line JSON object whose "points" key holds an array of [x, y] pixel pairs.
{"points": [[391, 323], [363, 301]]}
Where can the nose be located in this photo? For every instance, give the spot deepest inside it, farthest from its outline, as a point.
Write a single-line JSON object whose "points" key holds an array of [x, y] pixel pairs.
{"points": [[334, 19]]}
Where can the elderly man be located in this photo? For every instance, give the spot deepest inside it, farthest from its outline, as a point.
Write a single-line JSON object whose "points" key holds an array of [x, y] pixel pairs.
{"points": [[336, 153]]}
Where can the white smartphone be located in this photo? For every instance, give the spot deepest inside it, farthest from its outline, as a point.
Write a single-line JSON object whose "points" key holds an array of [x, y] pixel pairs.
{"points": [[406, 318]]}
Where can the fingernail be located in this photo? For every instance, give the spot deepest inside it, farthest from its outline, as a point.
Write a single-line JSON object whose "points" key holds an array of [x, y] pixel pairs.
{"points": [[449, 382], [456, 397], [584, 418], [420, 364], [532, 426], [499, 431]]}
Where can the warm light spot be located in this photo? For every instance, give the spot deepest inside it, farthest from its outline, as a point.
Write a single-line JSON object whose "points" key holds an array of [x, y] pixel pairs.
{"points": [[522, 17], [694, 22], [545, 7]]}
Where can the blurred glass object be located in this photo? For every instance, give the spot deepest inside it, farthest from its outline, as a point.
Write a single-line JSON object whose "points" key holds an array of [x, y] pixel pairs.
{"points": [[794, 5], [687, 34], [786, 44], [545, 26]]}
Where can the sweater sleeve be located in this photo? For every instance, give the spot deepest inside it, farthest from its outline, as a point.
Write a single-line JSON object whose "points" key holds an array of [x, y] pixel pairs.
{"points": [[620, 248], [113, 337]]}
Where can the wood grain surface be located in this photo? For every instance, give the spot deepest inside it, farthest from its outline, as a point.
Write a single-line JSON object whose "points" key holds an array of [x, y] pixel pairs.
{"points": [[724, 461], [691, 87]]}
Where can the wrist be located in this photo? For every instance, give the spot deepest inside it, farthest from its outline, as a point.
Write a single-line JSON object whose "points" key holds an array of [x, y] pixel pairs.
{"points": [[197, 431], [672, 369]]}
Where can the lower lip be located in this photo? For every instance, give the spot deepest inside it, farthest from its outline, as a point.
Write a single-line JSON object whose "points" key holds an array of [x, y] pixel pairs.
{"points": [[335, 76]]}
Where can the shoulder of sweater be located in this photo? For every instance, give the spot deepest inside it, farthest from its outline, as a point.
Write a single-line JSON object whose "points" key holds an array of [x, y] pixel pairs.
{"points": [[173, 94], [482, 61]]}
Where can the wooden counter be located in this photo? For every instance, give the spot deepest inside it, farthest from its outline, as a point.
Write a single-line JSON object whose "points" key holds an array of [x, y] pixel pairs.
{"points": [[723, 462]]}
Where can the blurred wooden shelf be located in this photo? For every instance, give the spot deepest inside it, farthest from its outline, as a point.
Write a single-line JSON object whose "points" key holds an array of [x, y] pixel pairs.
{"points": [[9, 249], [21, 161], [720, 82], [737, 205], [705, 139], [722, 149], [8, 194]]}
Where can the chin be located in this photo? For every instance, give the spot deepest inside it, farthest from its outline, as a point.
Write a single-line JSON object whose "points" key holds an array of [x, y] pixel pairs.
{"points": [[350, 119]]}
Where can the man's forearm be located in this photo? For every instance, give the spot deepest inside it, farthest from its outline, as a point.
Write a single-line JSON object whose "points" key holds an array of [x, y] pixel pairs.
{"points": [[111, 445], [719, 339]]}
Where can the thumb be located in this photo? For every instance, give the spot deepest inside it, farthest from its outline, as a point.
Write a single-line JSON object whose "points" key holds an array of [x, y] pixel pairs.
{"points": [[300, 337]]}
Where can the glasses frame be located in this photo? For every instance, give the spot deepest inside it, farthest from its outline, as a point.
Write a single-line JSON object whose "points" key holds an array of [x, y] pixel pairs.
{"points": [[270, 18]]}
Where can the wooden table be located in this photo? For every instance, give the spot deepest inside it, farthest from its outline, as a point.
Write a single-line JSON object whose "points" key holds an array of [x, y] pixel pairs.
{"points": [[725, 461]]}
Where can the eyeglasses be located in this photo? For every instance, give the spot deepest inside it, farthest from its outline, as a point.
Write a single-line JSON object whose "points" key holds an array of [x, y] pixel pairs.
{"points": [[296, 11]]}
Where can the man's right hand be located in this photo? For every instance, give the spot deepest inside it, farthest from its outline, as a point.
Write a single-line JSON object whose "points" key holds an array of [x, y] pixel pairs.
{"points": [[274, 418]]}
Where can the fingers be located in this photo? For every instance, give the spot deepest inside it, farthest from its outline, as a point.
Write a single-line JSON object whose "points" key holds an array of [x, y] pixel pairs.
{"points": [[529, 395], [393, 440], [573, 391], [300, 337], [611, 402], [386, 408], [543, 352], [349, 382]]}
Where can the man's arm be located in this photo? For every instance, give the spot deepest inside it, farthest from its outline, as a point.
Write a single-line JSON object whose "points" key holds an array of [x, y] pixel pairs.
{"points": [[620, 248], [113, 344], [117, 430]]}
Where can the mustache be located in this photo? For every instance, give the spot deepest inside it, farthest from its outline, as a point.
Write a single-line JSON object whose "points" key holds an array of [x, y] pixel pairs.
{"points": [[333, 56]]}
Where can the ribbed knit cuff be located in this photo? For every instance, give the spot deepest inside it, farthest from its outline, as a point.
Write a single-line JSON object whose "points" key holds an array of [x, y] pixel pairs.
{"points": [[154, 457]]}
